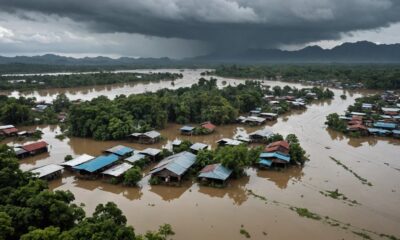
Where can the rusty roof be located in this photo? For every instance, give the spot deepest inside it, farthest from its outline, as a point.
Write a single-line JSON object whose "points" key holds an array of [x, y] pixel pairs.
{"points": [[35, 146]]}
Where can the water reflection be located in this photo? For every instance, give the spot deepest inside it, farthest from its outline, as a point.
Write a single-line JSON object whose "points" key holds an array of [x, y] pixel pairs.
{"points": [[282, 178], [169, 193], [360, 141], [235, 190]]}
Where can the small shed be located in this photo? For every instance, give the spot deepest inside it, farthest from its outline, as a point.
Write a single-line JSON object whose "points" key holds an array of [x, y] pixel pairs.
{"points": [[187, 130], [215, 173], [228, 142], [35, 148], [147, 137], [121, 151], [269, 116], [97, 164], [253, 120], [172, 168], [48, 172], [8, 130], [260, 135], [152, 153], [176, 143], [273, 159], [117, 170], [208, 126], [196, 147], [77, 161], [135, 158]]}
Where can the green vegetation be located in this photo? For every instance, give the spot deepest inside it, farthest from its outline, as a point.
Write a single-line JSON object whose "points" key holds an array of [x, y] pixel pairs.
{"points": [[29, 210], [78, 80], [304, 212], [296, 152], [340, 196], [245, 233], [370, 76], [334, 122], [19, 112], [132, 176], [68, 158], [363, 180]]}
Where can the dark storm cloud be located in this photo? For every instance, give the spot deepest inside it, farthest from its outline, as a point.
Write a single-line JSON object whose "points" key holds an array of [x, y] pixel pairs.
{"points": [[222, 23]]}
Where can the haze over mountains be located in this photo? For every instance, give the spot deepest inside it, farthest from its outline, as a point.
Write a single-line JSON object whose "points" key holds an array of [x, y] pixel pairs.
{"points": [[359, 52]]}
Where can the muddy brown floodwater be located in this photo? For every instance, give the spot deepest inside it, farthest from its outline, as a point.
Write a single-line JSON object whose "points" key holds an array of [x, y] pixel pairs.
{"points": [[198, 212]]}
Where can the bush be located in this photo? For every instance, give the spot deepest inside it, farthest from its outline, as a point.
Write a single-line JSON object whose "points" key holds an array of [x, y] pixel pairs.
{"points": [[154, 181], [68, 158], [132, 176]]}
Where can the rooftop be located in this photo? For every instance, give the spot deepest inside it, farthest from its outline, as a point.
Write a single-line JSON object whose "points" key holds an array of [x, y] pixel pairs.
{"points": [[198, 146], [215, 171], [46, 170], [228, 141], [98, 163], [151, 151], [187, 128], [177, 163], [135, 157], [120, 150], [275, 155], [78, 160], [118, 170], [262, 132], [34, 146]]}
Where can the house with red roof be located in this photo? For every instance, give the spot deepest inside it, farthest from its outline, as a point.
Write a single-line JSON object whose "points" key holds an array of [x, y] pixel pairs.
{"points": [[208, 126], [32, 149], [278, 146]]}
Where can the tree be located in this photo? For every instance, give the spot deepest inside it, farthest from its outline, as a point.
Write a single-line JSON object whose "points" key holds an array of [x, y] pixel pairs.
{"points": [[61, 103], [132, 176], [6, 229], [204, 158], [49, 233], [234, 158], [334, 122]]}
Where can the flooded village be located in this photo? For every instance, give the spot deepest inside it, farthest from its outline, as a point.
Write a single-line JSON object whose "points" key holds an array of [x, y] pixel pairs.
{"points": [[271, 200]]}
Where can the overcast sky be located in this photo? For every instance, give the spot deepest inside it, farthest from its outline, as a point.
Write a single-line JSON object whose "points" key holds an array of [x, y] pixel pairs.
{"points": [[184, 28]]}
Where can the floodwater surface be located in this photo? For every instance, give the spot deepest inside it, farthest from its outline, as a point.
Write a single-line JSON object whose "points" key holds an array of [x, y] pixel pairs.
{"points": [[198, 212]]}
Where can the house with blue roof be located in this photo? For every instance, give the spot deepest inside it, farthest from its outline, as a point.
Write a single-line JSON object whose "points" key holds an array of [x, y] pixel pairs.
{"points": [[172, 168], [378, 131], [187, 130], [273, 159], [98, 164], [215, 173], [121, 151]]}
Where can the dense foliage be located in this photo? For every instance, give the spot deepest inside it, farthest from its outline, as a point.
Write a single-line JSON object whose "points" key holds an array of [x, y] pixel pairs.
{"points": [[334, 122], [29, 211], [20, 111], [105, 119], [371, 76], [76, 80]]}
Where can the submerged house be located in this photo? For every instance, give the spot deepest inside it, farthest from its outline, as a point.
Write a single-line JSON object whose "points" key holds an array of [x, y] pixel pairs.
{"points": [[278, 146], [172, 168], [152, 153], [379, 131], [77, 161], [358, 128], [8, 130], [96, 165], [269, 116], [260, 135], [215, 173], [228, 142], [196, 147], [48, 172], [208, 126], [385, 125], [121, 151], [135, 158], [147, 137], [253, 120], [273, 159], [187, 130], [32, 149], [117, 170]]}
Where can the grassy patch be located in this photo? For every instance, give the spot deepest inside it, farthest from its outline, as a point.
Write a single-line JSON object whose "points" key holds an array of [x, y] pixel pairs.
{"points": [[339, 196], [363, 235], [245, 233], [304, 212]]}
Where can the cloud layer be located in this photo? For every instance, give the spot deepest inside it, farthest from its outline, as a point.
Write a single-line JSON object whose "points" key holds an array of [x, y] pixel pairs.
{"points": [[219, 24]]}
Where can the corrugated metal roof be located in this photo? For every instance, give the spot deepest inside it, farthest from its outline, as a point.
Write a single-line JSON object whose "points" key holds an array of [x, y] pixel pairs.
{"points": [[136, 157], [275, 155], [228, 141], [120, 150], [265, 162], [151, 152], [34, 146], [385, 125], [378, 130], [152, 134], [254, 119], [46, 170], [358, 113], [97, 163], [78, 160], [388, 109], [10, 130], [187, 128], [198, 146], [262, 133], [215, 171], [396, 131], [268, 114], [177, 163], [177, 142], [118, 170]]}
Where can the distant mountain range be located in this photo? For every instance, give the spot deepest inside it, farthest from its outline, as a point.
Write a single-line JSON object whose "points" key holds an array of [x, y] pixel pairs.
{"points": [[359, 52]]}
